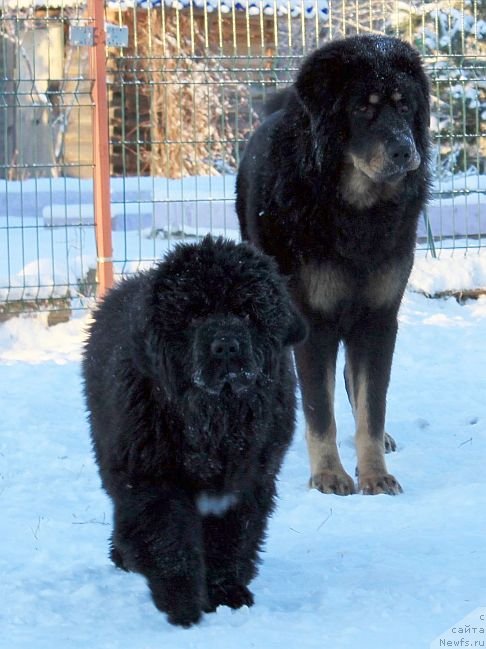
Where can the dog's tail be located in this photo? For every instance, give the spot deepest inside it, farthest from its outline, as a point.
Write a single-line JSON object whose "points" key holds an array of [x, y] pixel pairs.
{"points": [[277, 101]]}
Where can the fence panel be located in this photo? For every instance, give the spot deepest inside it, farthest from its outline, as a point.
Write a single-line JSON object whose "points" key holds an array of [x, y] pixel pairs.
{"points": [[45, 160], [190, 87], [184, 94]]}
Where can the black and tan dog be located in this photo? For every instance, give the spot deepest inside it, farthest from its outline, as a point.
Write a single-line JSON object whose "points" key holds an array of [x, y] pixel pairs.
{"points": [[332, 185]]}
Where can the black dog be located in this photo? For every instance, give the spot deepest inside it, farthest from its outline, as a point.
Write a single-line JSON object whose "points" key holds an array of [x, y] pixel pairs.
{"points": [[190, 389], [331, 185]]}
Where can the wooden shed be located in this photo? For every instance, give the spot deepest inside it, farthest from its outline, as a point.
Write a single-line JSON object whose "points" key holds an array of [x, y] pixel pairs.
{"points": [[183, 94], [33, 67], [180, 93]]}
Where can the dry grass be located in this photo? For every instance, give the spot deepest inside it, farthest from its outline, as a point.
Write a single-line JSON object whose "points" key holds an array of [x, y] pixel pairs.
{"points": [[186, 100]]}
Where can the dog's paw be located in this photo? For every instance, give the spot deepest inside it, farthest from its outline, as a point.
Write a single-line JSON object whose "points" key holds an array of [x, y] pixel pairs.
{"points": [[333, 482], [232, 595], [383, 483], [390, 444], [186, 617], [179, 598]]}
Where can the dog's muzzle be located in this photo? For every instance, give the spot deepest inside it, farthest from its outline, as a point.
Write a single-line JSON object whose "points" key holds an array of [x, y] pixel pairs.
{"points": [[224, 359], [388, 161], [401, 157]]}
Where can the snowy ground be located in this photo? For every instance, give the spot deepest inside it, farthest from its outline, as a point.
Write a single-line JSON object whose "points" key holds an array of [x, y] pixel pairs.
{"points": [[354, 573], [47, 236]]}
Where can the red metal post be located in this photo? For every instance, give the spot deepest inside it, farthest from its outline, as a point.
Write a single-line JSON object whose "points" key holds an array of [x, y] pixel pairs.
{"points": [[101, 151]]}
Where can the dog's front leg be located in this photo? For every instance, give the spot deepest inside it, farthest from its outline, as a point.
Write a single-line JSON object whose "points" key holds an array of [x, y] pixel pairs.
{"points": [[316, 367], [158, 533], [233, 542], [369, 353]]}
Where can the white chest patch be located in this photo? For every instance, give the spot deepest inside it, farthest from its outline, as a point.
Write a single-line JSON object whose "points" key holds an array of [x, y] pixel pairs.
{"points": [[215, 505]]}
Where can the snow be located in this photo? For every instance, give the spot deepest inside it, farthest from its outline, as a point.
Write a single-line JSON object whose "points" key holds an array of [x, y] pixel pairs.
{"points": [[457, 206], [307, 8], [46, 228], [372, 572], [448, 273], [19, 5]]}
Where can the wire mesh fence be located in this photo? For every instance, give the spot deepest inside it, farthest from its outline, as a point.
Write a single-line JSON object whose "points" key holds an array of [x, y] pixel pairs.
{"points": [[185, 91], [45, 159]]}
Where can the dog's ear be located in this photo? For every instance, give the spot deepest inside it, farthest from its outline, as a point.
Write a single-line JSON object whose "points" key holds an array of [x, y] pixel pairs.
{"points": [[142, 333], [316, 81], [318, 89], [296, 328], [145, 337]]}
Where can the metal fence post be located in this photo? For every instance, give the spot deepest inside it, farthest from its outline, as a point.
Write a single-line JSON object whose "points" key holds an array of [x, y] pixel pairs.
{"points": [[101, 152]]}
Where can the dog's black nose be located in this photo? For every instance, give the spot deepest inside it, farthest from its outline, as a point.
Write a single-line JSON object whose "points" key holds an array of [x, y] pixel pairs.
{"points": [[225, 347], [401, 153]]}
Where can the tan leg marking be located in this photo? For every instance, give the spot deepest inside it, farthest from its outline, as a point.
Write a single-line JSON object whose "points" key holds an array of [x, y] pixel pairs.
{"points": [[372, 472], [389, 443], [327, 472]]}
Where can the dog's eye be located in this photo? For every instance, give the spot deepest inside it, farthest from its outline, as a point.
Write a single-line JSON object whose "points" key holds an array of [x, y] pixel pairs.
{"points": [[403, 108], [366, 111]]}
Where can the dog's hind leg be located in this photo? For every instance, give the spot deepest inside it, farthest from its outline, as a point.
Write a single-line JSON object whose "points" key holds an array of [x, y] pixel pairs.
{"points": [[316, 367], [390, 444]]}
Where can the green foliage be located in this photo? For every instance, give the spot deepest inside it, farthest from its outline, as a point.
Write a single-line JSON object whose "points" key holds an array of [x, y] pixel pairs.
{"points": [[452, 38]]}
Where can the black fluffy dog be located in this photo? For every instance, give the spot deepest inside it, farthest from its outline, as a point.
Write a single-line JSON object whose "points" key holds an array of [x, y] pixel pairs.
{"points": [[332, 185], [190, 389]]}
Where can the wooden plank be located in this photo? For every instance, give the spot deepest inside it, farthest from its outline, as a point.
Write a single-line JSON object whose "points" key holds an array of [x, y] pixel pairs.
{"points": [[101, 150], [7, 105], [33, 132]]}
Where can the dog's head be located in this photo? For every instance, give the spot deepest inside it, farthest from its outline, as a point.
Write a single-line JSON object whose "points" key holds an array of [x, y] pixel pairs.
{"points": [[382, 144], [369, 97], [221, 316], [224, 354]]}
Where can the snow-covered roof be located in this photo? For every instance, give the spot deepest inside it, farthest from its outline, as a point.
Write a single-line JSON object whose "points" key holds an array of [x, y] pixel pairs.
{"points": [[23, 5], [308, 8]]}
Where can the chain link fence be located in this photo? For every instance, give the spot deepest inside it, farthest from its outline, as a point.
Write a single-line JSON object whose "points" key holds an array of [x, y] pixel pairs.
{"points": [[187, 81]]}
